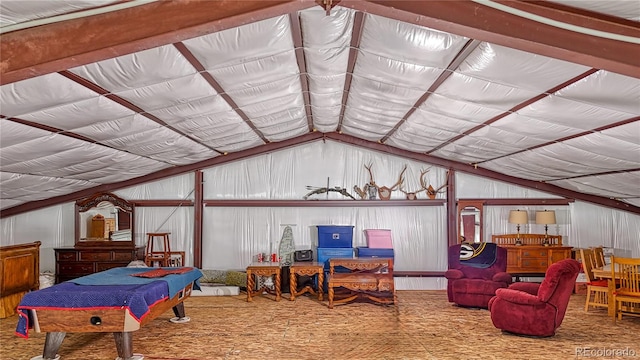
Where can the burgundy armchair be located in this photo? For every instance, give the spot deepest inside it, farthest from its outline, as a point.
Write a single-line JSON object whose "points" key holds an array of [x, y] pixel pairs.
{"points": [[536, 309], [470, 286]]}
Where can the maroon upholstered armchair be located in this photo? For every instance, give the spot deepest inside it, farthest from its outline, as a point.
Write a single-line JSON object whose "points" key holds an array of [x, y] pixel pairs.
{"points": [[473, 284], [536, 309]]}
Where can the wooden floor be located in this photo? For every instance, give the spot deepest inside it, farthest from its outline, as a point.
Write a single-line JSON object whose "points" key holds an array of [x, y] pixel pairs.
{"points": [[423, 326]]}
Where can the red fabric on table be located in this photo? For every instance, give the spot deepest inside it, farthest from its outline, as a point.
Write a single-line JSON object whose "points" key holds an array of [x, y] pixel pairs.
{"points": [[160, 272]]}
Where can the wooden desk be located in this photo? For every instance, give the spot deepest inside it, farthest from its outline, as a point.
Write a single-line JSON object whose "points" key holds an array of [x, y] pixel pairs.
{"points": [[263, 269], [369, 277], [308, 269]]}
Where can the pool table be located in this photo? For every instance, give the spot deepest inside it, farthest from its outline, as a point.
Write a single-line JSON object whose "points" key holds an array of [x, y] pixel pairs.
{"points": [[119, 300]]}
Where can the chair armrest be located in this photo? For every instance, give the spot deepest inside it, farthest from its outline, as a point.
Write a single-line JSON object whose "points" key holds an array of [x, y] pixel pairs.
{"points": [[502, 277], [517, 297], [528, 287], [453, 274]]}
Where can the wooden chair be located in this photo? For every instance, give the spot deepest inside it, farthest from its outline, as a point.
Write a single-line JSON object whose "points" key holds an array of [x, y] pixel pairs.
{"points": [[627, 272], [598, 253], [596, 288]]}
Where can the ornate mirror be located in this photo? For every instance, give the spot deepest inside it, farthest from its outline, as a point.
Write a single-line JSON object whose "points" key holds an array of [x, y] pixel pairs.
{"points": [[104, 220], [470, 220]]}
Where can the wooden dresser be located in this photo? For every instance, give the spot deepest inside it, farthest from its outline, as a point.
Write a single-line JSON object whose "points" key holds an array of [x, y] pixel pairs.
{"points": [[532, 257], [74, 262]]}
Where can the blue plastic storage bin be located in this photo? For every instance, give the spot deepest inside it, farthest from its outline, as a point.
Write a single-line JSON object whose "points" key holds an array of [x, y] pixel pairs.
{"points": [[369, 252], [324, 254], [332, 236]]}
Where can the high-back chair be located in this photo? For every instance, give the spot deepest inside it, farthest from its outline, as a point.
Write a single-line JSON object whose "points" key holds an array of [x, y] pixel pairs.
{"points": [[474, 284], [596, 288], [536, 309], [598, 256], [627, 272]]}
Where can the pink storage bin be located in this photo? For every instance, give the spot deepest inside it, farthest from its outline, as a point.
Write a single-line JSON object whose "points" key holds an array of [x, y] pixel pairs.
{"points": [[378, 238]]}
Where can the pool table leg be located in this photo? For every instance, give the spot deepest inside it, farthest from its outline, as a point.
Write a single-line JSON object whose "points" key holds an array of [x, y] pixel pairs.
{"points": [[178, 310], [124, 344], [52, 343]]}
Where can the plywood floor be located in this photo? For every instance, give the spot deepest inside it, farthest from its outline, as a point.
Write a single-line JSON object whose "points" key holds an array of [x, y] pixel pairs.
{"points": [[423, 326]]}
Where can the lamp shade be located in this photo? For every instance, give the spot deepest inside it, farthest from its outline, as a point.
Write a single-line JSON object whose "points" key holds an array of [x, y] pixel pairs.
{"points": [[545, 217], [518, 217]]}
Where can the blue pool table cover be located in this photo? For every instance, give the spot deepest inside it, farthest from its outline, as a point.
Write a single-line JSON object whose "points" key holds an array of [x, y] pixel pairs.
{"points": [[116, 288]]}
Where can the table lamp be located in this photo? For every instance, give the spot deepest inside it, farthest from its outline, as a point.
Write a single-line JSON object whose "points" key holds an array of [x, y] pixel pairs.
{"points": [[545, 218], [518, 217]]}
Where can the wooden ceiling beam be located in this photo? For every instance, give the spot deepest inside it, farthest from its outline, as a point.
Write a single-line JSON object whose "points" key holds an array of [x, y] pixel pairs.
{"points": [[59, 46], [477, 21]]}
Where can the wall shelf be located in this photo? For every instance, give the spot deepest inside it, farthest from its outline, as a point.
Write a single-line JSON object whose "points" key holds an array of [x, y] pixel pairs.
{"points": [[323, 203]]}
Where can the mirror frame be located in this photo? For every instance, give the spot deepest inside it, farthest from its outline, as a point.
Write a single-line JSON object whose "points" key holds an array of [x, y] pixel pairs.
{"points": [[84, 205], [463, 204]]}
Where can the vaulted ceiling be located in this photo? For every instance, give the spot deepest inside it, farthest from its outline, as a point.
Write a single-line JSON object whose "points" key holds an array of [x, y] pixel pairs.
{"points": [[97, 95]]}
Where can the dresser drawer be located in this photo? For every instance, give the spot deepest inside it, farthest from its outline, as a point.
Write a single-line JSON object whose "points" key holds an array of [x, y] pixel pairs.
{"points": [[123, 256], [95, 256], [75, 268], [531, 254], [110, 265], [66, 255], [534, 264]]}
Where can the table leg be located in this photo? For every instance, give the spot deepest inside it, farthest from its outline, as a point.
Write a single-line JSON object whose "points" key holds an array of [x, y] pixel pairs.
{"points": [[124, 344], [611, 284], [178, 310], [293, 284], [250, 285], [52, 343], [330, 291], [278, 281], [320, 284]]}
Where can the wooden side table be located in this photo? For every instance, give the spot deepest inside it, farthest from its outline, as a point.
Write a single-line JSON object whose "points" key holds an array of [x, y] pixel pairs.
{"points": [[308, 269], [263, 269]]}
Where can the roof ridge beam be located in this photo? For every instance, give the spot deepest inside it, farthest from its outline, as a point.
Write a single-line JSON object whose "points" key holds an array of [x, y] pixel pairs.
{"points": [[54, 47]]}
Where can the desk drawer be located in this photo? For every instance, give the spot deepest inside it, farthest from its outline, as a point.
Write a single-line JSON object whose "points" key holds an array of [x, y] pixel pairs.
{"points": [[95, 256]]}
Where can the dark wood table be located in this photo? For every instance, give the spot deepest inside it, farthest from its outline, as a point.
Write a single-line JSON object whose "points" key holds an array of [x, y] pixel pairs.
{"points": [[308, 269]]}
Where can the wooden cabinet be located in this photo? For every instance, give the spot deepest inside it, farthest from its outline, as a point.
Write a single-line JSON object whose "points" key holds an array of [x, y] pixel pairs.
{"points": [[73, 262], [532, 258]]}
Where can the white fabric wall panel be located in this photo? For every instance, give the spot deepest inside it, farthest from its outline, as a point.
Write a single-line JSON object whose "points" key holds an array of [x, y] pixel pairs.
{"points": [[496, 222], [174, 188], [476, 187], [233, 236], [175, 220], [53, 226], [285, 174], [595, 225]]}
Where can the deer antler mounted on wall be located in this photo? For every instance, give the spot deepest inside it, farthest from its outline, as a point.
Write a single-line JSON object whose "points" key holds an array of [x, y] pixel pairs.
{"points": [[368, 190], [385, 192], [414, 195], [431, 192]]}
